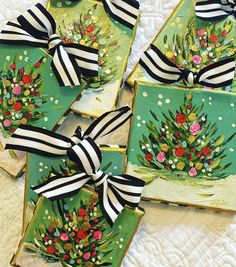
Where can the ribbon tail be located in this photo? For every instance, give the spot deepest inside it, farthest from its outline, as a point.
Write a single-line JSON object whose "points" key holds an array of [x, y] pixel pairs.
{"points": [[123, 11], [212, 10], [217, 75], [38, 141], [108, 122], [58, 187], [118, 191], [159, 67]]}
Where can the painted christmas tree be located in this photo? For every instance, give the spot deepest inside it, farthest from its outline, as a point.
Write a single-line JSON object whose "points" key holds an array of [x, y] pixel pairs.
{"points": [[91, 30], [185, 144], [20, 95], [199, 47], [80, 237]]}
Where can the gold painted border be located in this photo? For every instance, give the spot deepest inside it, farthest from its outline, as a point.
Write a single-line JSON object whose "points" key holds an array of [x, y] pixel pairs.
{"points": [[137, 84], [13, 261], [124, 65]]}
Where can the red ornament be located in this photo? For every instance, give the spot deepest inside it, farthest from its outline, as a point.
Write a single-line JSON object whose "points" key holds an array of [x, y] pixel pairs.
{"points": [[224, 34], [97, 235], [179, 151], [65, 257], [50, 250], [93, 246], [90, 28], [26, 78], [148, 157], [206, 151], [94, 253], [191, 149], [198, 154], [21, 71], [213, 38], [55, 240], [81, 234], [82, 212], [189, 157], [160, 137], [7, 113], [167, 167], [12, 130], [209, 161], [96, 220], [13, 67], [46, 239], [189, 106], [17, 106], [180, 118], [91, 207], [177, 135], [28, 115], [37, 64]]}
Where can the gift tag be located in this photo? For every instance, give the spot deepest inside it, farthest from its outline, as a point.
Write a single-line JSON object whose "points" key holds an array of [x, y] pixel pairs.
{"points": [[184, 145], [73, 232], [41, 168], [29, 95], [87, 22], [188, 43]]}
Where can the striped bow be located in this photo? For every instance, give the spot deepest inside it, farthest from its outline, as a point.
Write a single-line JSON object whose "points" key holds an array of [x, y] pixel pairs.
{"points": [[161, 69], [114, 191], [38, 28], [211, 10]]}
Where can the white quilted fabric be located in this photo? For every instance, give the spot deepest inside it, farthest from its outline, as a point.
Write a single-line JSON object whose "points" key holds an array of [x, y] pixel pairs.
{"points": [[167, 236]]}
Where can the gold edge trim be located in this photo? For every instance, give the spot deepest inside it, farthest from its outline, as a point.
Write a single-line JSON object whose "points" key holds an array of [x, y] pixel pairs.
{"points": [[129, 80]]}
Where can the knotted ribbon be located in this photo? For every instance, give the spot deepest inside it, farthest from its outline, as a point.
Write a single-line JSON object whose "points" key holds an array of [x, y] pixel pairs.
{"points": [[212, 10], [114, 192], [161, 69], [37, 28]]}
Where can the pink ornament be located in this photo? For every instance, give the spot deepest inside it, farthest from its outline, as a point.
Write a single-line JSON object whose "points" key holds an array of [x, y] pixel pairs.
{"points": [[0, 100], [195, 128], [197, 59], [7, 123], [86, 255], [161, 157], [17, 90], [200, 32], [97, 235], [64, 237], [192, 172]]}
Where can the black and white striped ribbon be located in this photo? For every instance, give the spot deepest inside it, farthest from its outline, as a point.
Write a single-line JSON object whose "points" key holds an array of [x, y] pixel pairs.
{"points": [[38, 28], [164, 71], [125, 12], [212, 10], [114, 191]]}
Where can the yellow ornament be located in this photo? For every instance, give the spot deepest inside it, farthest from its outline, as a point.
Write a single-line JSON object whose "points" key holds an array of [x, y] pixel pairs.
{"points": [[189, 96], [23, 121], [164, 147], [192, 117], [7, 83], [95, 45], [82, 42], [194, 48], [180, 166], [191, 138], [34, 76], [95, 19], [198, 166], [169, 54], [30, 107], [27, 92]]}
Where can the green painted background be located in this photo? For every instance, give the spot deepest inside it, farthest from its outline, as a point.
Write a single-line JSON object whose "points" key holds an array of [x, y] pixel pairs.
{"points": [[217, 104]]}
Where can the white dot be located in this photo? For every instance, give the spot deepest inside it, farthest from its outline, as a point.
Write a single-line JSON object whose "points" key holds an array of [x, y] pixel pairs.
{"points": [[115, 167], [220, 118], [46, 212], [210, 98], [138, 117], [160, 96], [167, 101], [203, 100], [143, 121], [51, 98], [46, 119], [139, 125], [233, 125], [40, 163], [51, 74], [118, 58], [232, 104], [59, 4], [132, 149], [159, 103], [46, 167], [210, 103], [145, 94], [40, 170], [56, 102], [120, 246], [231, 149]]}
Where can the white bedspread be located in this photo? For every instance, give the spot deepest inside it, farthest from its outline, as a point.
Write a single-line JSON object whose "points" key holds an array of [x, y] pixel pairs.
{"points": [[167, 236]]}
